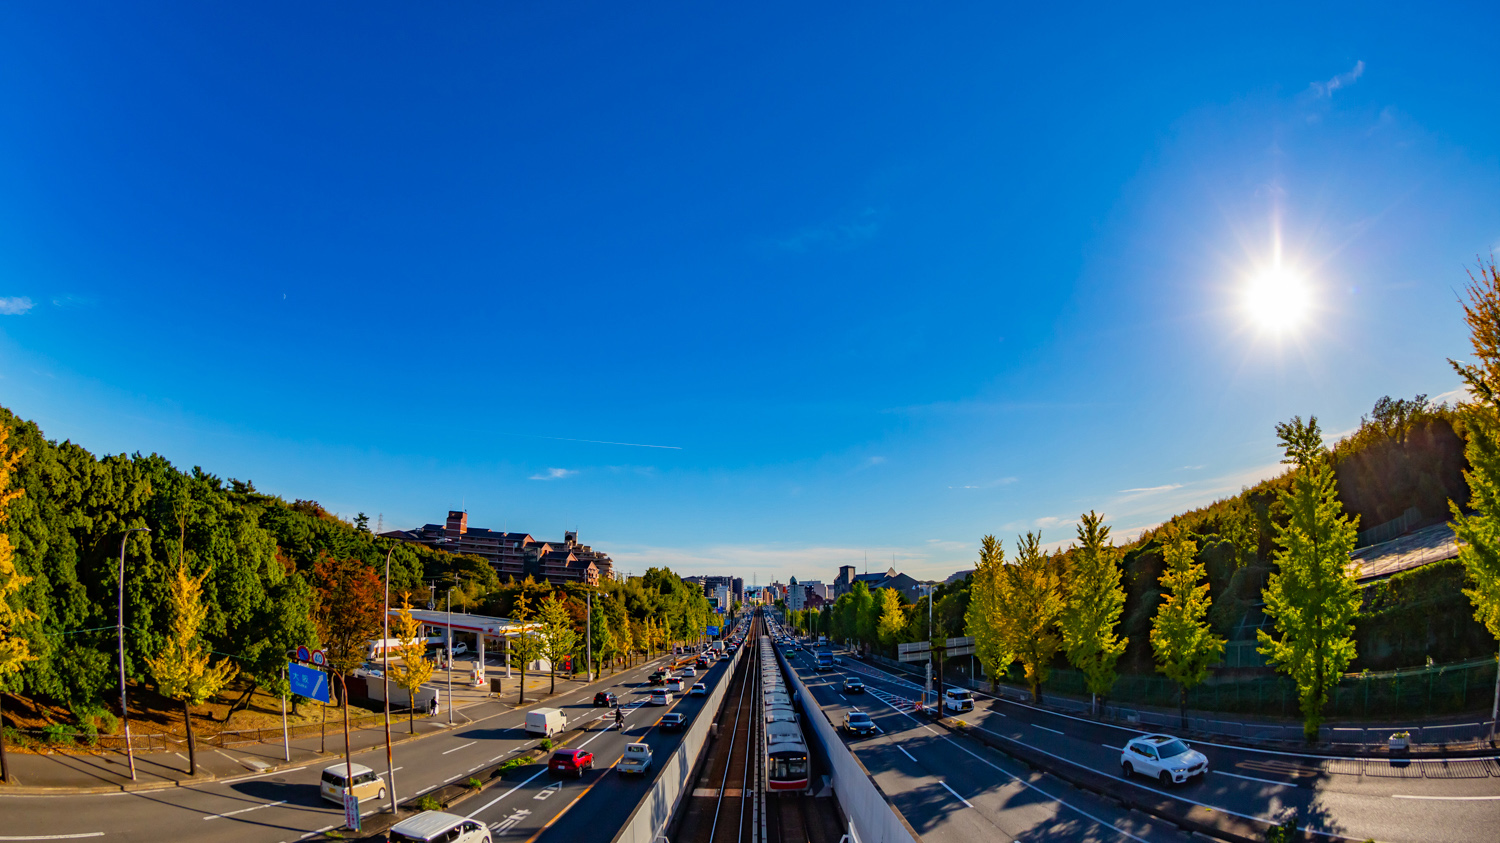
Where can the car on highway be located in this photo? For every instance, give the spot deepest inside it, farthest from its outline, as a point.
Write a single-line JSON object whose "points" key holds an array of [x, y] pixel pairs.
{"points": [[700, 689], [672, 721], [661, 697], [637, 759], [675, 685], [356, 778], [958, 700], [438, 827], [657, 678], [1162, 757], [689, 671], [571, 760], [853, 685], [606, 698], [857, 722]]}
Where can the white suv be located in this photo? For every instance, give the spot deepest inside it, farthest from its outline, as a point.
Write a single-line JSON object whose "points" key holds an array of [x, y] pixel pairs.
{"points": [[1162, 757]]}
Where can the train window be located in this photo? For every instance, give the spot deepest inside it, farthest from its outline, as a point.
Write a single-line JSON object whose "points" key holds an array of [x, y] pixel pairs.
{"points": [[789, 768]]}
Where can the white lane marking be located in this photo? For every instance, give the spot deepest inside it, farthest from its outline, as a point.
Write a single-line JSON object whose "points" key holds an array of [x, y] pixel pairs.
{"points": [[481, 809], [955, 794], [58, 836], [258, 775], [1407, 796], [1045, 729], [1254, 779], [1115, 748], [907, 754], [393, 770], [244, 810], [457, 748]]}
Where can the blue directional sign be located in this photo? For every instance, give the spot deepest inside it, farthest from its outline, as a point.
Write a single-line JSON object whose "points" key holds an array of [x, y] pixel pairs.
{"points": [[307, 682], [713, 630]]}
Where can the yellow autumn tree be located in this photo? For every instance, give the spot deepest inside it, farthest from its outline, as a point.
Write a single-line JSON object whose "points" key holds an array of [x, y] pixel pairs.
{"points": [[183, 669], [14, 651], [415, 668]]}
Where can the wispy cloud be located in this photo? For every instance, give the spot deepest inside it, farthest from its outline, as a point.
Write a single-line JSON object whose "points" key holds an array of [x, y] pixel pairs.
{"points": [[14, 306], [1343, 80], [1167, 488], [71, 301], [988, 484], [1453, 396], [846, 234], [555, 474]]}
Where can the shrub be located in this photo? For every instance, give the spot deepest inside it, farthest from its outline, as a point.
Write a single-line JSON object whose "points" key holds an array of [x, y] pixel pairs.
{"points": [[546, 744], [427, 803], [474, 783], [58, 734]]}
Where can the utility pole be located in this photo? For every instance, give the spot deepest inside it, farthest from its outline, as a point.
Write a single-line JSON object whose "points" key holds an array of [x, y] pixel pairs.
{"points": [[120, 629], [588, 637], [385, 679]]}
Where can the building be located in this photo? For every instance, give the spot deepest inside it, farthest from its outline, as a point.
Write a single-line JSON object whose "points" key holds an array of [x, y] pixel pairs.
{"points": [[796, 596], [889, 578], [817, 587], [514, 554]]}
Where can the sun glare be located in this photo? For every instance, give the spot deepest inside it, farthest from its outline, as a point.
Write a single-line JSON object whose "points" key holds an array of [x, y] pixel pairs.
{"points": [[1277, 300]]}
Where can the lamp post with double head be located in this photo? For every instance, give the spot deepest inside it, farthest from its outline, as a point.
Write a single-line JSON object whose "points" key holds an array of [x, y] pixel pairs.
{"points": [[120, 630]]}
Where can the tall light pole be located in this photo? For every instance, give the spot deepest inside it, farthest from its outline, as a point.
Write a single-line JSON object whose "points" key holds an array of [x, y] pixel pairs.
{"points": [[449, 706], [120, 629], [385, 678], [588, 635]]}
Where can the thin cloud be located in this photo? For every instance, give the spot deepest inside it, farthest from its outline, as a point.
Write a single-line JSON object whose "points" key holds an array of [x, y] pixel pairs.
{"points": [[589, 441], [1147, 489], [15, 306], [1001, 481], [836, 235], [555, 474], [1324, 90]]}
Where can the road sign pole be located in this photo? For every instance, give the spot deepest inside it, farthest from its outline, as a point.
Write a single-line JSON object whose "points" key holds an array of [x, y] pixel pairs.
{"points": [[286, 740]]}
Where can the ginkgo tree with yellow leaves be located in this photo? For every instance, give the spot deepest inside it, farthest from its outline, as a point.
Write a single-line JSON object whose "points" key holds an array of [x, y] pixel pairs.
{"points": [[183, 669], [15, 652], [415, 668]]}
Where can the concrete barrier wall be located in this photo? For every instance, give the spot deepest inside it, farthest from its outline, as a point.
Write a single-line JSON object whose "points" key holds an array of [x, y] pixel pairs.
{"points": [[650, 818], [872, 818]]}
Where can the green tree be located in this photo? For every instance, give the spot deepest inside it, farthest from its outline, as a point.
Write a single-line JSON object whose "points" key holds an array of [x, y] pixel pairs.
{"points": [[1479, 533], [892, 622], [1183, 642], [1031, 602], [415, 668], [527, 645], [183, 670], [864, 613], [1094, 599], [984, 617], [1313, 595], [559, 638], [15, 651]]}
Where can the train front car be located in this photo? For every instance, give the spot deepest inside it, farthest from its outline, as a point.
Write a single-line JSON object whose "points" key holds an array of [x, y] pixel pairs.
{"points": [[786, 757]]}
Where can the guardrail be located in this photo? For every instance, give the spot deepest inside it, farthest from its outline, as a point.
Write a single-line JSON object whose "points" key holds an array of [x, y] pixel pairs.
{"points": [[655, 810], [872, 817]]}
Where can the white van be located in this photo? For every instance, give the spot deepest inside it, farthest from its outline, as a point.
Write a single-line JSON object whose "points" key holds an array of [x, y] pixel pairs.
{"points": [[958, 699], [359, 779], [438, 827], [545, 722]]}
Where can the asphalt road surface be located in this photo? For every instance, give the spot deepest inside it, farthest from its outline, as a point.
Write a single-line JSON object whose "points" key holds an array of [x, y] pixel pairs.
{"points": [[286, 805], [919, 764]]}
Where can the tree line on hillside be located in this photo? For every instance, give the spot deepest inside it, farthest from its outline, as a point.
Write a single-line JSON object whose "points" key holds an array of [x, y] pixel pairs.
{"points": [[221, 581]]}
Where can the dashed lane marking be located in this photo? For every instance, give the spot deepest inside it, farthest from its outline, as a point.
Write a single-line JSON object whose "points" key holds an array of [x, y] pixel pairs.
{"points": [[457, 748], [955, 794], [1045, 729], [907, 754], [1254, 779], [245, 810]]}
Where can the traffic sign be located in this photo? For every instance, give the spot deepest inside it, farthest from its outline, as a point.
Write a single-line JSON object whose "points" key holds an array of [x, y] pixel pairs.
{"points": [[713, 630], [351, 811], [308, 682], [303, 654], [913, 647]]}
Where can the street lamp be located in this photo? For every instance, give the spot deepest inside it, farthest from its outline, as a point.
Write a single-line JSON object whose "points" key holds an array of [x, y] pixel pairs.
{"points": [[385, 678], [120, 630]]}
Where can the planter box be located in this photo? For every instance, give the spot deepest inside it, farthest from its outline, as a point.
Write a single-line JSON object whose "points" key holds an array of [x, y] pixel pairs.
{"points": [[1399, 744]]}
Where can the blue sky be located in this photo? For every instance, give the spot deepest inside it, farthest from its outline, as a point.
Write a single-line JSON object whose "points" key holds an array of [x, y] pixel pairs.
{"points": [[878, 278]]}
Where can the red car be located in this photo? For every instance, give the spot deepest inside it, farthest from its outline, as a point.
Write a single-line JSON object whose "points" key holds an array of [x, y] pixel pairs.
{"points": [[574, 761]]}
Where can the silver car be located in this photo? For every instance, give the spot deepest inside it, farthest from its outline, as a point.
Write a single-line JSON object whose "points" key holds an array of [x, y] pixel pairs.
{"points": [[1162, 757]]}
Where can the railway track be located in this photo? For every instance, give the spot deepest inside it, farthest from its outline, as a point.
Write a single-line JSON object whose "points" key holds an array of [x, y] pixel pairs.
{"points": [[722, 807]]}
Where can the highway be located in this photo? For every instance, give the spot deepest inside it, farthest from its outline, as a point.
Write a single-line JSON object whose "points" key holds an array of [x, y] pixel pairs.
{"points": [[286, 806], [949, 786]]}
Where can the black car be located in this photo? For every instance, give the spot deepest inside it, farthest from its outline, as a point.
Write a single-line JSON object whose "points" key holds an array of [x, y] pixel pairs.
{"points": [[657, 678], [858, 723], [853, 686], [606, 698], [672, 721]]}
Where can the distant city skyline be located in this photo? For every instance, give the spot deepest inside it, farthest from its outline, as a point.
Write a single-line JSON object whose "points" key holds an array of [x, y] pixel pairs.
{"points": [[766, 289]]}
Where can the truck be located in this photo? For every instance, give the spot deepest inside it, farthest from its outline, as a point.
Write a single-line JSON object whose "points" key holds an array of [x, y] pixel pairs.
{"points": [[825, 660]]}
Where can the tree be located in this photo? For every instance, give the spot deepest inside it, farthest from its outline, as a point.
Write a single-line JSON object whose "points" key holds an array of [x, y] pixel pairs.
{"points": [[1479, 533], [559, 638], [362, 523], [1031, 600], [1094, 599], [351, 610], [415, 668], [983, 619], [892, 620], [15, 651], [1314, 595], [863, 613], [182, 670], [1184, 644], [526, 646]]}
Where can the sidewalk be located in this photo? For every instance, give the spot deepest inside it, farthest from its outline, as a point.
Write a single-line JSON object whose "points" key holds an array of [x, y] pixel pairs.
{"points": [[108, 771]]}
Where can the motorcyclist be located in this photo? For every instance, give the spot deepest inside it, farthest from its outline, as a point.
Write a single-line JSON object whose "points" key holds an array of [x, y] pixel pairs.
{"points": [[620, 718]]}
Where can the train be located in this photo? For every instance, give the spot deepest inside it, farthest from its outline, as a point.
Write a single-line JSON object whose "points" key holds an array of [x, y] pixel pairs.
{"points": [[786, 761]]}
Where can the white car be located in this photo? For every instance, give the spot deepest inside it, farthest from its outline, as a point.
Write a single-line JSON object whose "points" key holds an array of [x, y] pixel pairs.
{"points": [[1162, 757], [699, 690], [689, 671], [637, 759], [660, 697]]}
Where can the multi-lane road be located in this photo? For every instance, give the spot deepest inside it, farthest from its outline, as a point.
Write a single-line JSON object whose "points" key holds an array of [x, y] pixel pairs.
{"points": [[285, 805], [951, 788]]}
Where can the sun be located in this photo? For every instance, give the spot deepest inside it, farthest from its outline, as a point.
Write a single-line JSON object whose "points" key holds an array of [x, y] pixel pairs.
{"points": [[1277, 300]]}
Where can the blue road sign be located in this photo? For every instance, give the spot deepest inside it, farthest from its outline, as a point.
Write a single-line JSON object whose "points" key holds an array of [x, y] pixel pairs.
{"points": [[713, 630], [307, 682]]}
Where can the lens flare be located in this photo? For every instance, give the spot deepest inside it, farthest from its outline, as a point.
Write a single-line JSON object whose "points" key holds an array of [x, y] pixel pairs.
{"points": [[1277, 300]]}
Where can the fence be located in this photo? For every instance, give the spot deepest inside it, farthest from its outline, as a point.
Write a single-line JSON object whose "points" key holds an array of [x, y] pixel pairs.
{"points": [[1396, 694], [1390, 529], [60, 738]]}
